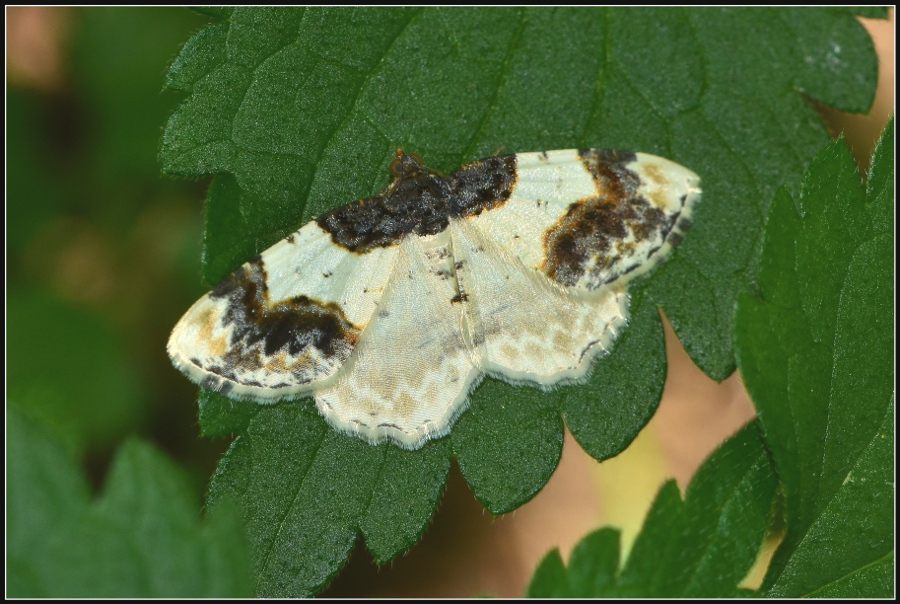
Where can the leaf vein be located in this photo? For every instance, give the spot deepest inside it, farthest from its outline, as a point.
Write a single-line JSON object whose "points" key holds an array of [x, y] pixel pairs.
{"points": [[504, 73], [744, 481], [366, 80], [855, 571], [287, 511]]}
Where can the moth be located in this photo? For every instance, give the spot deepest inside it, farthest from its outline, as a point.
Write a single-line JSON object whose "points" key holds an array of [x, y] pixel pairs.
{"points": [[389, 311]]}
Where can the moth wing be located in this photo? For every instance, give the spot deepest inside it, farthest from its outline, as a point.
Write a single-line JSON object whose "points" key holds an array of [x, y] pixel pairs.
{"points": [[283, 322], [411, 371], [590, 218], [524, 326]]}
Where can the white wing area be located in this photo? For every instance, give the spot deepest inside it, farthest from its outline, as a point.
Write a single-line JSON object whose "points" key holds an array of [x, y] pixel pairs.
{"points": [[309, 263], [550, 185], [457, 306], [283, 323], [412, 369], [546, 185], [527, 328]]}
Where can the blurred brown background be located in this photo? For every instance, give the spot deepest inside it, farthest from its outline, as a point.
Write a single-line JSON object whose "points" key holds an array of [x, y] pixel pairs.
{"points": [[102, 259]]}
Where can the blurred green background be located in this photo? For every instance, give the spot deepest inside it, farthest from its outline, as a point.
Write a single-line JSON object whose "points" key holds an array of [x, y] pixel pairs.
{"points": [[103, 257], [103, 253]]}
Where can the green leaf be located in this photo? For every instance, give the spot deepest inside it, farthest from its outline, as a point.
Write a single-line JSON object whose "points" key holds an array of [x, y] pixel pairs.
{"points": [[550, 580], [815, 348], [140, 539], [624, 389], [300, 107], [298, 111], [506, 450], [307, 492], [594, 563], [222, 416], [701, 547]]}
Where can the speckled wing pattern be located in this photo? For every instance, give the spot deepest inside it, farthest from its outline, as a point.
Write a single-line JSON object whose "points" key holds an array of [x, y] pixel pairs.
{"points": [[390, 310]]}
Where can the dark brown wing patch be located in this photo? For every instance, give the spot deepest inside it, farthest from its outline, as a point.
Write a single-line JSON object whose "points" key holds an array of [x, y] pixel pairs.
{"points": [[597, 232], [265, 336], [420, 201]]}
